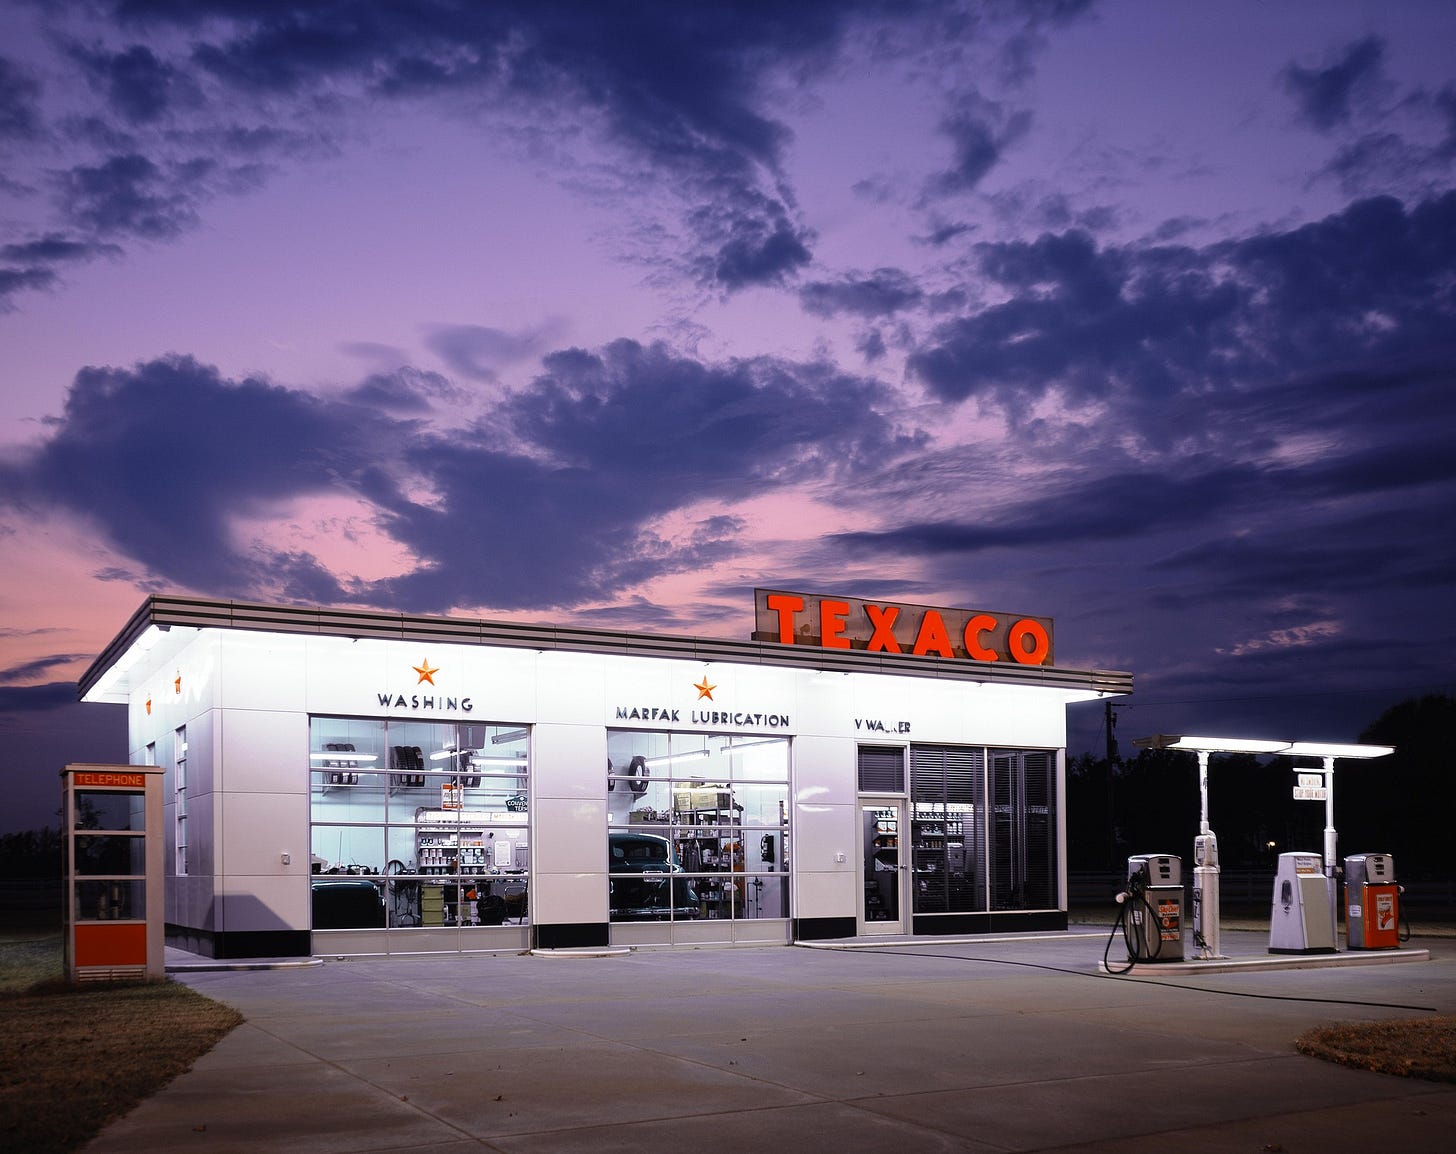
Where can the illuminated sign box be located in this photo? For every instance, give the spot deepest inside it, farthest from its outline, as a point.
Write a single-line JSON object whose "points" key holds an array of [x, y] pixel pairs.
{"points": [[898, 627]]}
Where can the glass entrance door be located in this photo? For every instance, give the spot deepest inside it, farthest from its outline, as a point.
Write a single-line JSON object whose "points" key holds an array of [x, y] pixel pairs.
{"points": [[882, 824]]}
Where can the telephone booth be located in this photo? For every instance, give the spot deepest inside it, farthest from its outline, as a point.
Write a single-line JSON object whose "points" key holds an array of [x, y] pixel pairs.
{"points": [[115, 911]]}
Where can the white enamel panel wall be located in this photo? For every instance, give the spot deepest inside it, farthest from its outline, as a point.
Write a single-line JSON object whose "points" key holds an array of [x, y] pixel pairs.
{"points": [[246, 700], [569, 823], [824, 829], [264, 752], [263, 671], [262, 814]]}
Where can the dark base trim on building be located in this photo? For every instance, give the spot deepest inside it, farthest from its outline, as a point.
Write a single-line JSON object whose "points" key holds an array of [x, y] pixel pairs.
{"points": [[997, 922], [570, 935], [241, 944], [822, 929]]}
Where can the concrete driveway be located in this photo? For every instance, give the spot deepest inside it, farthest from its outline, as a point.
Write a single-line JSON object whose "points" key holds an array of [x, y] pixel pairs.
{"points": [[985, 1046]]}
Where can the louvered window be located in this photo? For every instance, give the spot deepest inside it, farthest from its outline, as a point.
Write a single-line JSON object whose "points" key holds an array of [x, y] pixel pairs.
{"points": [[1023, 830], [881, 769], [947, 794]]}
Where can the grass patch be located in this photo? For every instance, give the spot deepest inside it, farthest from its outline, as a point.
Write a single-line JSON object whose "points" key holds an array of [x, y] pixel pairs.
{"points": [[28, 960], [1412, 1048], [73, 1058]]}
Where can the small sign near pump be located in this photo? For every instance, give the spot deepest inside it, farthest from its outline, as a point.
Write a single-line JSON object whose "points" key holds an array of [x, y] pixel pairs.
{"points": [[1311, 787]]}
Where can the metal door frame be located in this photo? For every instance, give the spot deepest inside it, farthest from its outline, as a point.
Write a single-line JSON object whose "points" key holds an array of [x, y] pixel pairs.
{"points": [[899, 925]]}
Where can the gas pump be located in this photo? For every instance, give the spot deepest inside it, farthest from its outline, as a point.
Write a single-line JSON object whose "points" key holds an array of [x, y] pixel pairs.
{"points": [[1302, 916], [1372, 902], [1152, 913], [1205, 894]]}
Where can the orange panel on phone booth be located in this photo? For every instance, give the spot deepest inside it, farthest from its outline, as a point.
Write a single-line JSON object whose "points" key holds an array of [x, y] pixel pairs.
{"points": [[122, 944]]}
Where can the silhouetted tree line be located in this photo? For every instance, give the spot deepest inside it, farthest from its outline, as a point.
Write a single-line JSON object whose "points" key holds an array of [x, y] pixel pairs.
{"points": [[1402, 804], [32, 853]]}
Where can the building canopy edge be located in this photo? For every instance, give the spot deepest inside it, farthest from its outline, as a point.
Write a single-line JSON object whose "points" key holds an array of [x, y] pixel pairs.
{"points": [[166, 611]]}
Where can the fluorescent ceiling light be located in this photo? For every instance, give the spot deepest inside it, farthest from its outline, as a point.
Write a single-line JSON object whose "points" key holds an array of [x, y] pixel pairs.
{"points": [[343, 755], [735, 746], [672, 757], [1252, 745], [125, 662], [509, 736], [479, 757], [1326, 749]]}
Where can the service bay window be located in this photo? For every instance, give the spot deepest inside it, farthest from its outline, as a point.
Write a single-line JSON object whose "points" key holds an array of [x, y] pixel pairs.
{"points": [[698, 826], [418, 823]]}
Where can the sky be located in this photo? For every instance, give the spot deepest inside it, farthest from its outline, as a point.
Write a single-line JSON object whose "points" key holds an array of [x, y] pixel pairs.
{"points": [[1140, 316]]}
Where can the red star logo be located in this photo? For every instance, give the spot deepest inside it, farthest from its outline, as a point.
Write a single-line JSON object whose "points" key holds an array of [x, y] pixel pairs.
{"points": [[425, 672], [704, 689]]}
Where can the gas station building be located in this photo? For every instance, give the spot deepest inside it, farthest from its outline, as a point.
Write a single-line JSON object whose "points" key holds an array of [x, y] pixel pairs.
{"points": [[355, 782]]}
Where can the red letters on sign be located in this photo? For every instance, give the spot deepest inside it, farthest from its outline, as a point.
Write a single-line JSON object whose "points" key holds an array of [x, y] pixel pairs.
{"points": [[1040, 642], [877, 627], [977, 625], [127, 780], [831, 624], [932, 635], [785, 605], [882, 618]]}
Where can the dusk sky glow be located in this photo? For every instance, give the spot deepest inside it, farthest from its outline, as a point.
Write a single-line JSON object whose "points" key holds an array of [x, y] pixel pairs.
{"points": [[1135, 315]]}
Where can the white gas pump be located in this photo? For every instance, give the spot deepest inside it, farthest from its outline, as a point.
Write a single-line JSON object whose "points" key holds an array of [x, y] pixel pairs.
{"points": [[1205, 895], [1152, 914], [1372, 902], [1302, 918]]}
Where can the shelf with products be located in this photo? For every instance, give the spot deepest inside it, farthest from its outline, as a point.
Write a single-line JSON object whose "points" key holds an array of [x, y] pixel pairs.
{"points": [[339, 765], [936, 828], [473, 843], [329, 781], [708, 837], [935, 840], [460, 852], [933, 837], [885, 845]]}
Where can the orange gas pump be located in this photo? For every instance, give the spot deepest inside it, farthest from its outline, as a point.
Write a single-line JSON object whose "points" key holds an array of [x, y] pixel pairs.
{"points": [[1372, 902]]}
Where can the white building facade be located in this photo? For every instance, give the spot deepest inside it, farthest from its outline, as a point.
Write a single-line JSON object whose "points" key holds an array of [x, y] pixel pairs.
{"points": [[350, 782]]}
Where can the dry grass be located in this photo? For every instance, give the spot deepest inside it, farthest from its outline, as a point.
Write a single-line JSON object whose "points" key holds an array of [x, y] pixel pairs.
{"points": [[1413, 1048], [27, 961], [74, 1058]]}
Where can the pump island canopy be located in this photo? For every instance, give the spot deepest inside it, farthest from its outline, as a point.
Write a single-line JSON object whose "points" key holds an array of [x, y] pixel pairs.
{"points": [[1320, 749]]}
